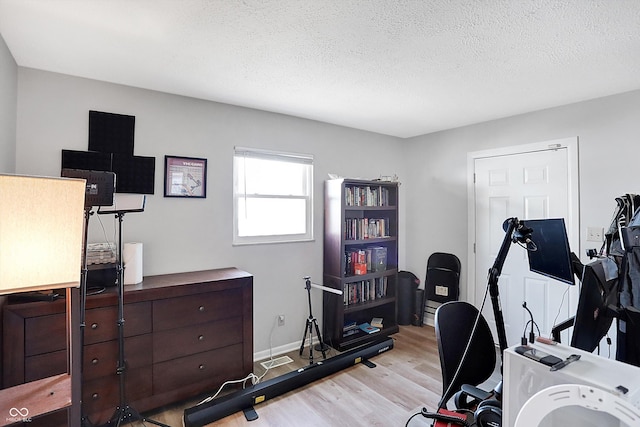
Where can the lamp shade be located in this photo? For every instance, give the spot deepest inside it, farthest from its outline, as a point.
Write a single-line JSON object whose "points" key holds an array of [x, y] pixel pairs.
{"points": [[41, 232]]}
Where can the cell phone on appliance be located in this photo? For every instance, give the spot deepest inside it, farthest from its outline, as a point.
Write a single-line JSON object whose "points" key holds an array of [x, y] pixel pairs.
{"points": [[537, 355]]}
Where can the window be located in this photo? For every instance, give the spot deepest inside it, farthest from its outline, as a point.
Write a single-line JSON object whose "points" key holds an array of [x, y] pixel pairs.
{"points": [[272, 196]]}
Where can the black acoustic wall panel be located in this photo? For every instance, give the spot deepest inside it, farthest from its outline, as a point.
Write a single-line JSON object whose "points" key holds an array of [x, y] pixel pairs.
{"points": [[86, 160], [111, 150], [134, 174], [111, 133]]}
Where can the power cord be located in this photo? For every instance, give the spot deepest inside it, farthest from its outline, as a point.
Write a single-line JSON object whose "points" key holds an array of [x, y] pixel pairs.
{"points": [[104, 233], [273, 327], [412, 417], [253, 377], [561, 304], [532, 336]]}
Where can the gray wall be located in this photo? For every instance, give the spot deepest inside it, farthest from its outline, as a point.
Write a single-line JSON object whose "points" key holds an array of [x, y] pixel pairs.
{"points": [[196, 234], [8, 99], [608, 130]]}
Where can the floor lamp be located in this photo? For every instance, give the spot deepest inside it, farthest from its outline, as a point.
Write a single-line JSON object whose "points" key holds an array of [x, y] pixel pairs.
{"points": [[41, 232]]}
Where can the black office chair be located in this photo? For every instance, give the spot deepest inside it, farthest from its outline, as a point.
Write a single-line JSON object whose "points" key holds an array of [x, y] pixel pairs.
{"points": [[454, 323], [442, 281]]}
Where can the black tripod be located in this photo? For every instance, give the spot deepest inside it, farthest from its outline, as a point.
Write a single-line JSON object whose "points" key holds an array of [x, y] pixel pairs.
{"points": [[124, 413], [312, 324]]}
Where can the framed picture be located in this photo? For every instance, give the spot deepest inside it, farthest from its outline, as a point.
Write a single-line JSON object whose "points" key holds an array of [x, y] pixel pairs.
{"points": [[185, 177]]}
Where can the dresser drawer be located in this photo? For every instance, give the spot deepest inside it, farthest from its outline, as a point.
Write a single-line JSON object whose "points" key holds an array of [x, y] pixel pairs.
{"points": [[101, 323], [195, 309], [214, 367], [101, 359], [48, 333], [103, 394], [45, 365], [187, 340]]}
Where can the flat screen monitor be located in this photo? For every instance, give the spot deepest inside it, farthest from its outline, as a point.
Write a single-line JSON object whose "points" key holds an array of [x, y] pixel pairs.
{"points": [[552, 256]]}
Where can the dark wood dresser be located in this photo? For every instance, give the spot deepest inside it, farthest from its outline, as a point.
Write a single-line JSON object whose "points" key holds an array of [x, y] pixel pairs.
{"points": [[185, 334]]}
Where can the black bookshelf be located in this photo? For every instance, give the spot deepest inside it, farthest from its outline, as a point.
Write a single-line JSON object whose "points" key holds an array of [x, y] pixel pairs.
{"points": [[360, 259]]}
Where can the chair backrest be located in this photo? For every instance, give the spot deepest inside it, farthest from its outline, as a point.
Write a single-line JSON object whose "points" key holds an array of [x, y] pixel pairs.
{"points": [[454, 324], [443, 277]]}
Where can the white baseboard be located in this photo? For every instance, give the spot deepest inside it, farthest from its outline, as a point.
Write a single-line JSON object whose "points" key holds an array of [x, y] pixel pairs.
{"points": [[429, 320], [277, 351]]}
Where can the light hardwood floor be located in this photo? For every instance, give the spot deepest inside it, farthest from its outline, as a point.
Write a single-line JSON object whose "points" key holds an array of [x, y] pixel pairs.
{"points": [[404, 380]]}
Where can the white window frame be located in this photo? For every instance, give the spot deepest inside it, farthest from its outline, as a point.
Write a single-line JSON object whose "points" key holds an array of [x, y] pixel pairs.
{"points": [[240, 153]]}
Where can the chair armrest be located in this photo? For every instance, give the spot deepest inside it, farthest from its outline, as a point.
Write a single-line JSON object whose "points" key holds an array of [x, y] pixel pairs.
{"points": [[475, 392]]}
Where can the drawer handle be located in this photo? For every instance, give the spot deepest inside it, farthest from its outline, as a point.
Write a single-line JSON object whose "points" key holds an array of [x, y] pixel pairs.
{"points": [[201, 367], [95, 396], [94, 361], [201, 308], [94, 326], [201, 338]]}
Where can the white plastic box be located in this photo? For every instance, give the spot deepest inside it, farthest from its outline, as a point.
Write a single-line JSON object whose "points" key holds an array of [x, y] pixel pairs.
{"points": [[524, 377]]}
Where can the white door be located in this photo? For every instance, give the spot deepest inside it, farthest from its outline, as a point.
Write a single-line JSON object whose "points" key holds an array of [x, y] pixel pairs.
{"points": [[528, 185]]}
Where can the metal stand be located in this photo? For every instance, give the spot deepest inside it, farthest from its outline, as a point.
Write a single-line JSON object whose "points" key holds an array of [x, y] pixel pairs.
{"points": [[312, 323], [84, 420], [124, 413], [514, 232]]}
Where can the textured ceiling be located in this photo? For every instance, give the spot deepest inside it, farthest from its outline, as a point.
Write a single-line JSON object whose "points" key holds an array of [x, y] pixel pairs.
{"points": [[400, 68]]}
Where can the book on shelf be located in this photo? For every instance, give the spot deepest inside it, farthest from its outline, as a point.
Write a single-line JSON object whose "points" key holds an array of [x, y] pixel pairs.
{"points": [[376, 322], [350, 328], [364, 290], [367, 260], [366, 228], [379, 258], [360, 269], [350, 325], [366, 327], [355, 262], [350, 332], [366, 195]]}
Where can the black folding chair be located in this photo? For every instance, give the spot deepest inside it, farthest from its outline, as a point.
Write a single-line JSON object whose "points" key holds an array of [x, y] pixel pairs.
{"points": [[442, 282]]}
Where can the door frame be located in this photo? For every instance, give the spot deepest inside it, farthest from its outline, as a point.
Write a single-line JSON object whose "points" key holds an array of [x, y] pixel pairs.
{"points": [[573, 220]]}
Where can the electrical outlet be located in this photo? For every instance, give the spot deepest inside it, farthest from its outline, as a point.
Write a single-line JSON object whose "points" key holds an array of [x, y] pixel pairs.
{"points": [[595, 234], [281, 320]]}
